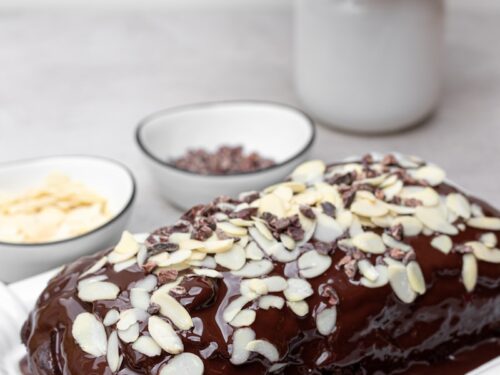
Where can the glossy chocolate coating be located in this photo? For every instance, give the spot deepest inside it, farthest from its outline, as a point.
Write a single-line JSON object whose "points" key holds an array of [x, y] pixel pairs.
{"points": [[376, 333]]}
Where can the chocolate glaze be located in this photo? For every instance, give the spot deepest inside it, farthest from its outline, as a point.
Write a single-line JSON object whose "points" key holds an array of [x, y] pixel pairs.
{"points": [[376, 333]]}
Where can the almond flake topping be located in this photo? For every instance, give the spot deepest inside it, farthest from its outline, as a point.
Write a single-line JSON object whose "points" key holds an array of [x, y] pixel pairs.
{"points": [[469, 271], [416, 277], [381, 280], [297, 290], [233, 259], [267, 302], [459, 205], [327, 229], [264, 348], [326, 321], [244, 318], [113, 355], [431, 174], [442, 243], [369, 242], [90, 335], [312, 264], [97, 291], [96, 267], [164, 335], [127, 248], [255, 268], [484, 253], [112, 316], [300, 308], [172, 309], [433, 218], [489, 240], [486, 223], [184, 364], [146, 345], [241, 338], [398, 278]]}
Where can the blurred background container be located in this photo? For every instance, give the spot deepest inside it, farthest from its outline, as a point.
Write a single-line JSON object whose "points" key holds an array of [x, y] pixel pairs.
{"points": [[369, 65]]}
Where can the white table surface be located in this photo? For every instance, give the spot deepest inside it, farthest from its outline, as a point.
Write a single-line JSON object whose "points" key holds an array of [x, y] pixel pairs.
{"points": [[78, 80]]}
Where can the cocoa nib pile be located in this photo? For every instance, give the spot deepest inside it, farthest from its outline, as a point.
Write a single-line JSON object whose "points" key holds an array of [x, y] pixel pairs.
{"points": [[225, 160]]}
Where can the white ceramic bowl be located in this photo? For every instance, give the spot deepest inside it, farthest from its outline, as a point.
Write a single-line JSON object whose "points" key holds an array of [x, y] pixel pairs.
{"points": [[108, 178], [282, 133]]}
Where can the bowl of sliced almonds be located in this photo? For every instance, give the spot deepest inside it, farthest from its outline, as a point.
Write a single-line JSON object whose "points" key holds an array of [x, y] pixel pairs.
{"points": [[56, 209]]}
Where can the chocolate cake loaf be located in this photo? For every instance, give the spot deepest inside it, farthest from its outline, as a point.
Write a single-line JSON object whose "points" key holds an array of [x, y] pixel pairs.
{"points": [[366, 267]]}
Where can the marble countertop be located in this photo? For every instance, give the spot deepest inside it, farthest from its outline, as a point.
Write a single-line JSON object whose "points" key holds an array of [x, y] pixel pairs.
{"points": [[77, 81]]}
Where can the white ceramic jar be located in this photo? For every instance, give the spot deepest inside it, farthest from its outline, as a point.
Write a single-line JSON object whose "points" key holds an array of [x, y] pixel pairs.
{"points": [[369, 65]]}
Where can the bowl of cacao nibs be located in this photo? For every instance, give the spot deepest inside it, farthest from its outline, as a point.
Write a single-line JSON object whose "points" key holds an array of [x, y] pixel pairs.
{"points": [[201, 151]]}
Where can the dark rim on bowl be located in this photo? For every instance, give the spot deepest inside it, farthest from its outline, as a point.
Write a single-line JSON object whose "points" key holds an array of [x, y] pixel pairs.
{"points": [[99, 228], [145, 121]]}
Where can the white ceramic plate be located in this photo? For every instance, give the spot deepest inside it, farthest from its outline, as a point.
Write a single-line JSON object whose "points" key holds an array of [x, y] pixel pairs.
{"points": [[108, 178]]}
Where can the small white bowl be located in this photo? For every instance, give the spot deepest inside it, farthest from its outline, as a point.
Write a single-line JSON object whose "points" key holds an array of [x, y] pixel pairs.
{"points": [[106, 177], [275, 131]]}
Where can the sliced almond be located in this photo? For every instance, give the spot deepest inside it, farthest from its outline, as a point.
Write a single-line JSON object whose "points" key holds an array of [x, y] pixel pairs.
{"points": [[327, 229], [234, 307], [367, 270], [90, 335], [433, 218], [442, 243], [241, 338], [112, 316], [255, 268], [297, 290], [299, 308], [287, 241], [393, 190], [253, 287], [416, 277], [97, 291], [398, 278], [309, 172], [326, 321], [309, 198], [217, 246], [264, 348], [284, 193], [130, 334], [489, 240], [469, 271], [264, 242], [178, 237], [426, 195], [208, 273], [172, 309], [430, 173], [164, 335], [368, 208], [241, 222], [486, 223], [459, 205], [122, 266], [233, 259], [369, 242], [281, 254], [231, 229], [184, 364], [275, 284], [296, 187], [129, 317], [244, 318], [127, 244], [411, 225], [113, 355], [272, 204], [95, 267], [484, 253], [264, 230], [380, 281], [147, 345], [148, 283], [312, 264], [253, 252], [270, 301], [390, 242]]}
